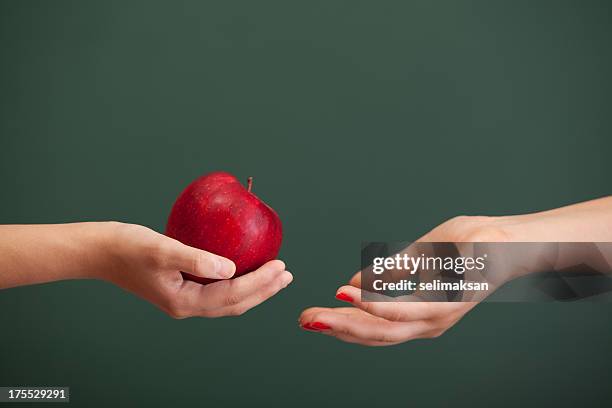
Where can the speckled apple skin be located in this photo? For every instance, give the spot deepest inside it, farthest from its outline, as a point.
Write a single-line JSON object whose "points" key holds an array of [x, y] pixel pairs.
{"points": [[217, 213]]}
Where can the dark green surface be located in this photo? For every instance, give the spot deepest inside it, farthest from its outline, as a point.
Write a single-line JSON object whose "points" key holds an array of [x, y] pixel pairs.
{"points": [[360, 120]]}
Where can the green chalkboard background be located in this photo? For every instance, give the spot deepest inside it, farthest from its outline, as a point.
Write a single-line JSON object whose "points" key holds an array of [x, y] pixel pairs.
{"points": [[360, 121]]}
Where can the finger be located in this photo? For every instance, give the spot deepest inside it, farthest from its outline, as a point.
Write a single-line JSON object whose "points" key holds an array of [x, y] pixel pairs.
{"points": [[307, 321], [403, 308], [356, 280], [254, 299], [232, 292], [355, 340], [308, 313], [362, 327], [199, 262], [340, 336]]}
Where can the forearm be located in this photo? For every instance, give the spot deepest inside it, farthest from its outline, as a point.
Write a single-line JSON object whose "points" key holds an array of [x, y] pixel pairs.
{"points": [[43, 253], [590, 221], [564, 237]]}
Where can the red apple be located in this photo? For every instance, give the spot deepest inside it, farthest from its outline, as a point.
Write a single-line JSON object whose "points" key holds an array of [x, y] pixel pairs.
{"points": [[216, 213]]}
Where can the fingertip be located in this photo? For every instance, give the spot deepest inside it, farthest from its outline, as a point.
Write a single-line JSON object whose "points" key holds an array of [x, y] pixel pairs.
{"points": [[303, 315], [308, 312], [302, 319], [226, 268], [346, 288], [344, 297], [276, 264], [348, 293], [287, 278], [356, 280], [316, 326]]}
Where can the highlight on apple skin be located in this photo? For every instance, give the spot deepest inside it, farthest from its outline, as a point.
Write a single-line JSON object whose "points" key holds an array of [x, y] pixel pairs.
{"points": [[218, 214]]}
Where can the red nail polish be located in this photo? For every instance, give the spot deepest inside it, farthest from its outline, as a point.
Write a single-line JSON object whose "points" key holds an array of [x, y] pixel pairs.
{"points": [[307, 326], [315, 326], [319, 326], [344, 297]]}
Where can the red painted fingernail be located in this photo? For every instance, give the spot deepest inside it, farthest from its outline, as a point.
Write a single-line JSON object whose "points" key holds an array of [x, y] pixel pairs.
{"points": [[307, 326], [315, 326], [319, 326], [344, 297]]}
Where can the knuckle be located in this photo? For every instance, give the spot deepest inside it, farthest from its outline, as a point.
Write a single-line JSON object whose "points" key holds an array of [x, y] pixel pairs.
{"points": [[367, 307], [395, 315], [342, 330], [159, 252], [201, 261], [125, 230], [231, 300], [383, 337]]}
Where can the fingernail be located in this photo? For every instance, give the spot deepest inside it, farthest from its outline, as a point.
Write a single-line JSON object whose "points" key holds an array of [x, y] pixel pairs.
{"points": [[287, 278], [344, 297], [320, 326], [315, 326], [225, 267]]}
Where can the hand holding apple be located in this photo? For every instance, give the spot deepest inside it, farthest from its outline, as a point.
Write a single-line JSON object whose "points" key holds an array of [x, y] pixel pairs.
{"points": [[148, 264], [137, 259]]}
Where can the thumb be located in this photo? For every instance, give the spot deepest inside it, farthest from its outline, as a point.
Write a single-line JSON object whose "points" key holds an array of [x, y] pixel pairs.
{"points": [[202, 263], [356, 280]]}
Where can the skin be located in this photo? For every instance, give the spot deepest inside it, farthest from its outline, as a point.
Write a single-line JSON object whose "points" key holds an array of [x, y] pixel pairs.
{"points": [[389, 323], [148, 264], [138, 259]]}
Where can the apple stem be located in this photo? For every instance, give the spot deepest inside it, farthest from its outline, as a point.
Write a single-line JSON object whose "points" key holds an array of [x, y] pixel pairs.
{"points": [[249, 184]]}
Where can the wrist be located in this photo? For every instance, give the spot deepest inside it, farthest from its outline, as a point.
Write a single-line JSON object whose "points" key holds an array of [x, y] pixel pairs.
{"points": [[524, 248], [101, 244]]}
